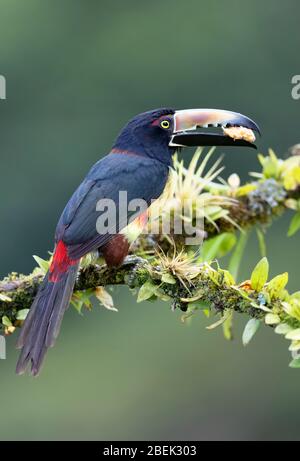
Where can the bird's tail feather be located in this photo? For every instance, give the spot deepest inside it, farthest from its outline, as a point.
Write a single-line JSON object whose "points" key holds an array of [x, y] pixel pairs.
{"points": [[43, 321]]}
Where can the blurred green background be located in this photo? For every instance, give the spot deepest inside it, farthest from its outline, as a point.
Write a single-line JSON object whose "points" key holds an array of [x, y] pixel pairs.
{"points": [[76, 72]]}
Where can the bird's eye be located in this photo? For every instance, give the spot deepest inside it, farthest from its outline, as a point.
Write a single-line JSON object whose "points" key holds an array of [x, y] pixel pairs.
{"points": [[165, 124]]}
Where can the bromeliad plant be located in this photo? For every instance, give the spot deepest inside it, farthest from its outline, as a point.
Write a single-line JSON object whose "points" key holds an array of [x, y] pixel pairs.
{"points": [[162, 266]]}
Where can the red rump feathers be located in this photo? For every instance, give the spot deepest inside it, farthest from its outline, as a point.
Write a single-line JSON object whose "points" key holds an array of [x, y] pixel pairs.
{"points": [[60, 262]]}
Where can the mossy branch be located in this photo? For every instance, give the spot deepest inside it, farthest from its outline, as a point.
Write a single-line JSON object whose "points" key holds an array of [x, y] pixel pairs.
{"points": [[17, 291], [180, 275]]}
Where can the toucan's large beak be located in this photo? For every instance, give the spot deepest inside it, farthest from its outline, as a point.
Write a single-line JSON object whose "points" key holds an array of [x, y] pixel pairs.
{"points": [[189, 125]]}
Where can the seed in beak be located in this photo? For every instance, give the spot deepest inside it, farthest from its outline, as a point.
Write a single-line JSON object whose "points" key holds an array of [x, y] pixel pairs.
{"points": [[240, 132]]}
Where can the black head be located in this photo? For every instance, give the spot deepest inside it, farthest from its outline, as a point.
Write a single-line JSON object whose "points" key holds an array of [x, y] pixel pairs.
{"points": [[149, 134]]}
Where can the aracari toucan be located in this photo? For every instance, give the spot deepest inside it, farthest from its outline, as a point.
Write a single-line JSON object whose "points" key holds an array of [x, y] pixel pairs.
{"points": [[139, 164]]}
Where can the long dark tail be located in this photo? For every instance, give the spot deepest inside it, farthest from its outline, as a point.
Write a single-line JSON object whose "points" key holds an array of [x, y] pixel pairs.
{"points": [[43, 322]]}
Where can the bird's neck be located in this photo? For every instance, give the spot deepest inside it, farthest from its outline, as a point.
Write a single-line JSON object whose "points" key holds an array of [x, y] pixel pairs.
{"points": [[156, 151]]}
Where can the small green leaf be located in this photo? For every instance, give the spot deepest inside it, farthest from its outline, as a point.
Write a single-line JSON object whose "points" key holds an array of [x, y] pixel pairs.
{"points": [[146, 291], [272, 319], [244, 190], [5, 298], [295, 346], [295, 225], [277, 284], [293, 335], [22, 314], [260, 274], [43, 264], [6, 321], [250, 330], [292, 309], [283, 329], [295, 363], [168, 278]]}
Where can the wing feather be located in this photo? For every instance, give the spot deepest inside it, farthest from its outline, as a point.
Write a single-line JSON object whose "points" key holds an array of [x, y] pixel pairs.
{"points": [[140, 177]]}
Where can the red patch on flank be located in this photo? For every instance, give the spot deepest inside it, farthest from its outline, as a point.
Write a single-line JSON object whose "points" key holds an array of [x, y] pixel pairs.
{"points": [[142, 220], [60, 262], [115, 250]]}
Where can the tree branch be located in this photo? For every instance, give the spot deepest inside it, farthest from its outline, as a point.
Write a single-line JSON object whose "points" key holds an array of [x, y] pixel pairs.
{"points": [[173, 272]]}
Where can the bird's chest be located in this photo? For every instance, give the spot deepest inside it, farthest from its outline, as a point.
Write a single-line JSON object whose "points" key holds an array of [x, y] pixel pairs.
{"points": [[152, 179]]}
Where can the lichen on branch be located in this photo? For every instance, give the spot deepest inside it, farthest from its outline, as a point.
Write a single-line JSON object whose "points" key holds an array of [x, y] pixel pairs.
{"points": [[189, 278]]}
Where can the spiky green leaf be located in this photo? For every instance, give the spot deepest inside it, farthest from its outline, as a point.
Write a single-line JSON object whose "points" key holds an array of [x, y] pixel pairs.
{"points": [[42, 263], [260, 274]]}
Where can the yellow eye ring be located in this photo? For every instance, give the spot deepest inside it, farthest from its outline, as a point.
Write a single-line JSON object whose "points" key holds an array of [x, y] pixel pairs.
{"points": [[165, 124]]}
